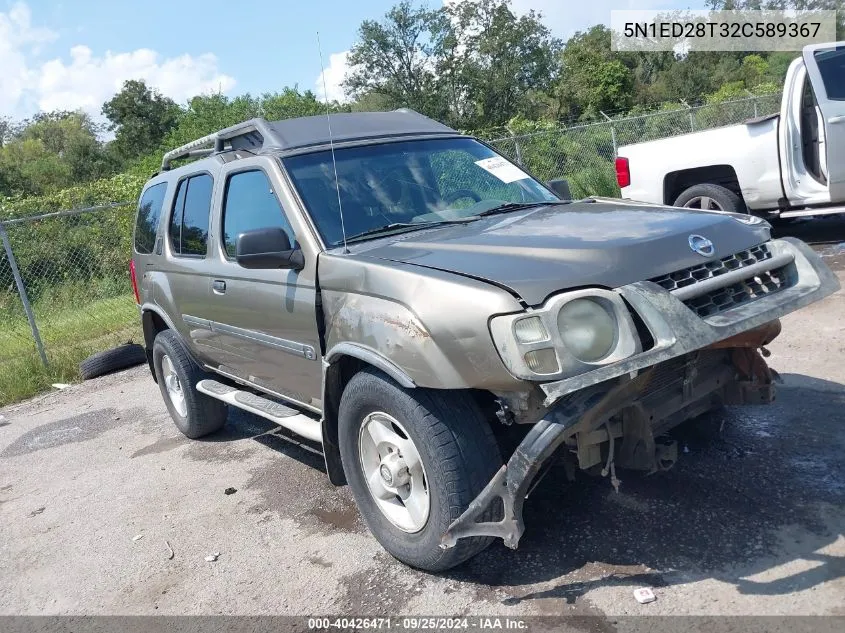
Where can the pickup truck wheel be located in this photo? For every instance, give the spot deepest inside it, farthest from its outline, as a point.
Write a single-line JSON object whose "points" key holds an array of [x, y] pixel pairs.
{"points": [[415, 459], [711, 197], [194, 413]]}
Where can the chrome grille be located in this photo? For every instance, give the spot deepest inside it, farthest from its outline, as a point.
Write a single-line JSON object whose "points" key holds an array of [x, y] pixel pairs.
{"points": [[717, 300], [722, 299], [694, 274]]}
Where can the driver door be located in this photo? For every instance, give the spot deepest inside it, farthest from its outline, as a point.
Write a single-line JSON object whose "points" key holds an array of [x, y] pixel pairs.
{"points": [[826, 68]]}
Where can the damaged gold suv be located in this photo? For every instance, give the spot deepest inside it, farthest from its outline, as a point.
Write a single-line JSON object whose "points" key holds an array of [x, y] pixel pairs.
{"points": [[405, 297]]}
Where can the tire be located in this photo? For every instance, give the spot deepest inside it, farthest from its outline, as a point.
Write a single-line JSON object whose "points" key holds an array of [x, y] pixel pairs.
{"points": [[457, 450], [111, 360], [196, 414], [724, 199]]}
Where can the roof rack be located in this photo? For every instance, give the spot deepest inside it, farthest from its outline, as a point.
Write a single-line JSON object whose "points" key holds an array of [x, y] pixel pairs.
{"points": [[252, 134]]}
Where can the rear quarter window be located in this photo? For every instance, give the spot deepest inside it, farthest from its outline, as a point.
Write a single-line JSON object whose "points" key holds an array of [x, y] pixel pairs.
{"points": [[149, 213]]}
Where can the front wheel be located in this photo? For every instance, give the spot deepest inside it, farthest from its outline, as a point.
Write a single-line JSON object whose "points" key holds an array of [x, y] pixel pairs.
{"points": [[415, 459], [711, 198]]}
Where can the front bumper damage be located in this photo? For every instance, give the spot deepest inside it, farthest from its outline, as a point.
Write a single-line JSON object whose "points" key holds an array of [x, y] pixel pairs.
{"points": [[581, 404]]}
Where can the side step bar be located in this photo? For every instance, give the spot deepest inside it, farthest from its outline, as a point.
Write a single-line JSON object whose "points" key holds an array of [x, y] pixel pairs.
{"points": [[282, 415], [810, 211]]}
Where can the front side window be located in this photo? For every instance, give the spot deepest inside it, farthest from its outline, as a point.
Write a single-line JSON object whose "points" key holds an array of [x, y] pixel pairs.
{"points": [[250, 204], [832, 69], [149, 212], [188, 230], [407, 182]]}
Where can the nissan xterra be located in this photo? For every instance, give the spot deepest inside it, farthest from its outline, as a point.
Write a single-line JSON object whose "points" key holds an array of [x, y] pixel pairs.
{"points": [[414, 303]]}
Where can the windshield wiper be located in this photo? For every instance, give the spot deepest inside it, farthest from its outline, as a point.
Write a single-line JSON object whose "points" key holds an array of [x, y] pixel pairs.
{"points": [[516, 206], [398, 227]]}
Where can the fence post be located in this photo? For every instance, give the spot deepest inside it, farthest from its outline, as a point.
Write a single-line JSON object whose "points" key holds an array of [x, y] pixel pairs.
{"points": [[691, 117], [612, 132], [516, 146], [13, 264]]}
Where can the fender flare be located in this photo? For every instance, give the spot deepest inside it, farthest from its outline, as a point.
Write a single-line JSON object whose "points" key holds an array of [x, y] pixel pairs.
{"points": [[373, 358]]}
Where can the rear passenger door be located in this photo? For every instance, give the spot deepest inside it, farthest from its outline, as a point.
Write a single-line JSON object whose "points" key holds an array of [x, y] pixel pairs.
{"points": [[263, 322], [186, 251]]}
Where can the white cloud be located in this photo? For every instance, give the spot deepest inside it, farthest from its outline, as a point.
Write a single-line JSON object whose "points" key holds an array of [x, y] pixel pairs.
{"points": [[85, 80], [18, 39], [334, 75]]}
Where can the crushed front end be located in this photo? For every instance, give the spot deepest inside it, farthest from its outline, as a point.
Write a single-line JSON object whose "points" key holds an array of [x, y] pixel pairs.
{"points": [[683, 342]]}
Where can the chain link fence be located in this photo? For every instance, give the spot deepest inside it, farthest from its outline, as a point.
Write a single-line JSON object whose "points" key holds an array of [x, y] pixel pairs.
{"points": [[584, 153], [64, 294]]}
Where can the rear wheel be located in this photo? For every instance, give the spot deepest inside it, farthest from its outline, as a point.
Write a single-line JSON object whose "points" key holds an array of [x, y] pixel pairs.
{"points": [[194, 413], [415, 459], [711, 198]]}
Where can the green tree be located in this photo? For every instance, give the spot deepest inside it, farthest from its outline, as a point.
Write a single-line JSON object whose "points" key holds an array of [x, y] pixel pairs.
{"points": [[593, 78], [53, 150], [498, 59], [396, 58], [140, 117]]}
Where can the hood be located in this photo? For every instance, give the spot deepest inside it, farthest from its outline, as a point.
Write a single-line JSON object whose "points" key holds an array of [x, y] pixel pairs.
{"points": [[538, 252]]}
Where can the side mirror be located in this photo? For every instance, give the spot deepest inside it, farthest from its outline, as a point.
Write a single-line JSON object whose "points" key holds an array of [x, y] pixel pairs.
{"points": [[267, 248], [561, 187]]}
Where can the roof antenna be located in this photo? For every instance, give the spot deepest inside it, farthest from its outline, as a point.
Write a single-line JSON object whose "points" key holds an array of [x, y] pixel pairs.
{"points": [[331, 143]]}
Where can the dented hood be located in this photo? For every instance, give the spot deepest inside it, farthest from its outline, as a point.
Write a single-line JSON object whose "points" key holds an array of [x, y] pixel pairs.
{"points": [[537, 252]]}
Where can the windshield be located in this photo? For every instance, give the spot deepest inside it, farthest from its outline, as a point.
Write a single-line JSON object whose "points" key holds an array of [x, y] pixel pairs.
{"points": [[408, 182]]}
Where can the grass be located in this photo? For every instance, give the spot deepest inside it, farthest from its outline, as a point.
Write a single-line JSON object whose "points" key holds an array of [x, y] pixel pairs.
{"points": [[69, 333]]}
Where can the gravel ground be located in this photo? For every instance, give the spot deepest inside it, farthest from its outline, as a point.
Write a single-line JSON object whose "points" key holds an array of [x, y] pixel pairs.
{"points": [[98, 488]]}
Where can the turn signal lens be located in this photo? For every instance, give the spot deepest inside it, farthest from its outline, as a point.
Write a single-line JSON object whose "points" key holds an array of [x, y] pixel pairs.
{"points": [[530, 330], [542, 361]]}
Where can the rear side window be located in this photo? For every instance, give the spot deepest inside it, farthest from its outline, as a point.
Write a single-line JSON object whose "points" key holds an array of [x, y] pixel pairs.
{"points": [[188, 230], [832, 68], [250, 204], [149, 212]]}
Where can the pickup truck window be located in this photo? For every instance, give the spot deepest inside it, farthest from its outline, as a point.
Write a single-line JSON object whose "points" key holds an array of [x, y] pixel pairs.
{"points": [[832, 68], [424, 181], [250, 204], [149, 213], [189, 219]]}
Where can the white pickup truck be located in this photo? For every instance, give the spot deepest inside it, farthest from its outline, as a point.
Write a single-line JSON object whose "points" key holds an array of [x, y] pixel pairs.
{"points": [[785, 165]]}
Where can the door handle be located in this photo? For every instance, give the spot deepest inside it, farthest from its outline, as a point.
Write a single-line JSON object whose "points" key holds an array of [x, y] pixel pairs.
{"points": [[836, 119], [218, 287]]}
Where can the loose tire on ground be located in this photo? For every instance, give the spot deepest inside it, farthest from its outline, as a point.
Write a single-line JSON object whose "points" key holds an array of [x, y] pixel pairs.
{"points": [[200, 413], [457, 450], [724, 199], [111, 360]]}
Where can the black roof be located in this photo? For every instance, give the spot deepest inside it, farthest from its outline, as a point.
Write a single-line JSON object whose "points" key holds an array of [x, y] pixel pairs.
{"points": [[310, 131]]}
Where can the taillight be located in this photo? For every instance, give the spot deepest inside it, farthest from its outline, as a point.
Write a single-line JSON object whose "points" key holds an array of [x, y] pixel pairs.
{"points": [[134, 281], [623, 172]]}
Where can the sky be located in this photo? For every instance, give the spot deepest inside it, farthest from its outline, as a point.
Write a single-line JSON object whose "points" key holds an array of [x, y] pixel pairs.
{"points": [[75, 54]]}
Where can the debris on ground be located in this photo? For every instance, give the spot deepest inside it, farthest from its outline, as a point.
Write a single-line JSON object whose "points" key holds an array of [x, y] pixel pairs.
{"points": [[170, 552], [60, 385], [137, 537], [230, 491], [644, 595], [38, 511], [212, 557]]}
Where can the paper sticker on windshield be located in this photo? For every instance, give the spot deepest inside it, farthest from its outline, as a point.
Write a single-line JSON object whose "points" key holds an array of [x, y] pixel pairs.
{"points": [[502, 169]]}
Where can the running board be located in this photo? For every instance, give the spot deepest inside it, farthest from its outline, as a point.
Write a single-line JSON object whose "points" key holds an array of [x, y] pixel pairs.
{"points": [[803, 213], [282, 415]]}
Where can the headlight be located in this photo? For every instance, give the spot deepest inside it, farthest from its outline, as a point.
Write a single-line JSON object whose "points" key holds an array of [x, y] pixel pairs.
{"points": [[588, 329], [572, 333]]}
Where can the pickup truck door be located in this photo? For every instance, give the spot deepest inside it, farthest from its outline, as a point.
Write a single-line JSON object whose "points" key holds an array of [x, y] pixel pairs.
{"points": [[262, 325], [825, 65]]}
